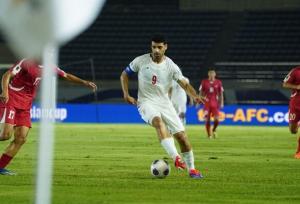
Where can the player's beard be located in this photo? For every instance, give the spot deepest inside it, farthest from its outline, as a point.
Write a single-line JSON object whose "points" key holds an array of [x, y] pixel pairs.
{"points": [[157, 57]]}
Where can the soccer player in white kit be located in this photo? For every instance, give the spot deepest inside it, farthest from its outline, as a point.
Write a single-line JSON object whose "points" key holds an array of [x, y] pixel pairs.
{"points": [[178, 98], [155, 75]]}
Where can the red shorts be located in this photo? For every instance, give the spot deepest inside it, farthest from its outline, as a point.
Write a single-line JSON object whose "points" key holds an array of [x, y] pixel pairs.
{"points": [[13, 116], [211, 110], [294, 111]]}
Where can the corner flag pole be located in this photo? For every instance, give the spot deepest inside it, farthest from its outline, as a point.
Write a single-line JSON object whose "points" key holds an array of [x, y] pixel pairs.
{"points": [[46, 132], [33, 27]]}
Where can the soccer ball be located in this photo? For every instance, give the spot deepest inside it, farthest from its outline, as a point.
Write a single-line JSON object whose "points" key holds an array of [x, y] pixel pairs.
{"points": [[160, 168]]}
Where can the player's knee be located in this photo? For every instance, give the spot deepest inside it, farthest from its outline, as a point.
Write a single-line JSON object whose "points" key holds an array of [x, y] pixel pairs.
{"points": [[293, 131], [157, 122], [5, 135], [293, 128], [182, 138], [20, 140]]}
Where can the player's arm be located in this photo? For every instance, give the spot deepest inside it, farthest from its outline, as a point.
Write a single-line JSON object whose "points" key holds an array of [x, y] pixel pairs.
{"points": [[7, 76], [201, 95], [201, 92], [288, 81], [190, 91], [124, 79], [290, 86], [191, 101], [221, 99], [74, 79], [221, 95]]}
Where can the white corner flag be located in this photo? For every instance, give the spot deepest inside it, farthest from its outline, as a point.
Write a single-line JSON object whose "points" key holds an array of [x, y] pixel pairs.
{"points": [[36, 29]]}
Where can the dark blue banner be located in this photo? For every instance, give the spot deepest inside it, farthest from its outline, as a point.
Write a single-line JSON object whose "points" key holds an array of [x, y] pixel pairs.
{"points": [[122, 113]]}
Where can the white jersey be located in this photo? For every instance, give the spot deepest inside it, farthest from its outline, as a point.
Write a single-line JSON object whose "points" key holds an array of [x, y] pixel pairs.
{"points": [[155, 80], [179, 97]]}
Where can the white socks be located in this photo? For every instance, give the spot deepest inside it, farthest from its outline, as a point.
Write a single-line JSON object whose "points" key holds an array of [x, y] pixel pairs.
{"points": [[188, 157], [169, 145]]}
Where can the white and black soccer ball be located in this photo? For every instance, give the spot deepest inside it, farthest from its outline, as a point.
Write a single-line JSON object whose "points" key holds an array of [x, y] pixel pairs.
{"points": [[160, 168]]}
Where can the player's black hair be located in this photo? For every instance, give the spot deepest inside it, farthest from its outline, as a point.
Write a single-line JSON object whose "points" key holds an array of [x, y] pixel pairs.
{"points": [[211, 69], [159, 38]]}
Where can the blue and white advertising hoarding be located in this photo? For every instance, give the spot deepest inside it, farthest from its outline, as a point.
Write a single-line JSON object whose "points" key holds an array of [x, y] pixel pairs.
{"points": [[261, 115]]}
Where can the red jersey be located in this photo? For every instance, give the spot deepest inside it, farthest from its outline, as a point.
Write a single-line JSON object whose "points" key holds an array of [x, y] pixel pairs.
{"points": [[22, 88], [293, 77], [211, 90]]}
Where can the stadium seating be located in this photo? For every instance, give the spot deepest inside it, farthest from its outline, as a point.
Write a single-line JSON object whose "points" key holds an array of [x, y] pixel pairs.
{"points": [[252, 72], [256, 96], [267, 36], [123, 32]]}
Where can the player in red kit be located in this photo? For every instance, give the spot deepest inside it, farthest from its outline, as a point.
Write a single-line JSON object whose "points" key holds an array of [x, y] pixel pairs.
{"points": [[212, 90], [292, 81], [19, 86]]}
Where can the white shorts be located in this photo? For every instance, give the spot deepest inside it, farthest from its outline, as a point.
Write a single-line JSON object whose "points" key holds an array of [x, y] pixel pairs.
{"points": [[180, 107], [166, 112]]}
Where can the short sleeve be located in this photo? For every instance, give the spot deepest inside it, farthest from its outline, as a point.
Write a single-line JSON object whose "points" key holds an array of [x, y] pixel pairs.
{"points": [[177, 74], [290, 77], [18, 67], [201, 86], [134, 65]]}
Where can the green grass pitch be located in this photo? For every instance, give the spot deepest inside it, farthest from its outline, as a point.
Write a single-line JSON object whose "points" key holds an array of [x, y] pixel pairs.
{"points": [[96, 163]]}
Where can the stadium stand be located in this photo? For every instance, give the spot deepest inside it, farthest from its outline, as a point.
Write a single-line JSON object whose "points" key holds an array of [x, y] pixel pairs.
{"points": [[263, 36], [267, 36], [256, 96], [242, 46], [123, 31]]}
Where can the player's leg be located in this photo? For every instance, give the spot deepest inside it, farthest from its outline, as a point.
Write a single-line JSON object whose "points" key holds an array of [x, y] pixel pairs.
{"points": [[7, 128], [216, 114], [23, 124], [6, 131], [6, 124], [207, 115], [186, 148], [294, 130], [20, 135], [294, 119], [151, 115], [160, 128], [187, 153], [166, 141], [177, 129]]}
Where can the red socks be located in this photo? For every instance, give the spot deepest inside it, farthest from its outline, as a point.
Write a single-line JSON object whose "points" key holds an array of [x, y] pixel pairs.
{"points": [[207, 125], [4, 160], [216, 123]]}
